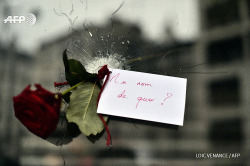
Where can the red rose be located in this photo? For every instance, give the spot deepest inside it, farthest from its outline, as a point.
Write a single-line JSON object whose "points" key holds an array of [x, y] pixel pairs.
{"points": [[102, 72], [38, 110]]}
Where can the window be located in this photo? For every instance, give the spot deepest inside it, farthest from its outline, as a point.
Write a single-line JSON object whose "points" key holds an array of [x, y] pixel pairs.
{"points": [[225, 92], [226, 132], [225, 51], [222, 12]]}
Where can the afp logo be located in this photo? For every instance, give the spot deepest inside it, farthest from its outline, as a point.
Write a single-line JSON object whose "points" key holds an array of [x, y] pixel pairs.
{"points": [[30, 19]]}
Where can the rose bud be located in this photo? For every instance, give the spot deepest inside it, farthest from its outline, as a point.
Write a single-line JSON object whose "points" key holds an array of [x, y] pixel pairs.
{"points": [[38, 110]]}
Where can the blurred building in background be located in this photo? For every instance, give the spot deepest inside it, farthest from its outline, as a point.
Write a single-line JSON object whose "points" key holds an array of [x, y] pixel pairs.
{"points": [[217, 121], [14, 77], [224, 46]]}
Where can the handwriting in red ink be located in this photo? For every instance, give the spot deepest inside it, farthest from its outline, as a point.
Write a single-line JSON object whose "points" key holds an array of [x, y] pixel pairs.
{"points": [[144, 84], [115, 77], [168, 96], [122, 95], [143, 99]]}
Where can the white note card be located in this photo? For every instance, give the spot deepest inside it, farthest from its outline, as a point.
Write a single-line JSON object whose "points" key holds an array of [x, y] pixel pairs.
{"points": [[144, 96]]}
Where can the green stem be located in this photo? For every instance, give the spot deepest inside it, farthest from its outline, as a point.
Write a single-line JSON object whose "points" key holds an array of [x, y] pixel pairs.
{"points": [[70, 89]]}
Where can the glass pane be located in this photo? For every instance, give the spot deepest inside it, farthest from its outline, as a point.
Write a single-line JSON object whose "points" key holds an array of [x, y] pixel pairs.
{"points": [[158, 37]]}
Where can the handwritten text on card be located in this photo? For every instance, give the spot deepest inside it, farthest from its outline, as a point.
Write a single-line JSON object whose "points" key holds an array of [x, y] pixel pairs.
{"points": [[144, 96]]}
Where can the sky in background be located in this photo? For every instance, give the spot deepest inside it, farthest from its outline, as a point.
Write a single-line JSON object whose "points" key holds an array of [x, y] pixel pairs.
{"points": [[153, 16]]}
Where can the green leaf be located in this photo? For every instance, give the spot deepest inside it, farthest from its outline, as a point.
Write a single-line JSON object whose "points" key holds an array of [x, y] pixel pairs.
{"points": [[65, 61], [82, 109], [75, 72]]}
